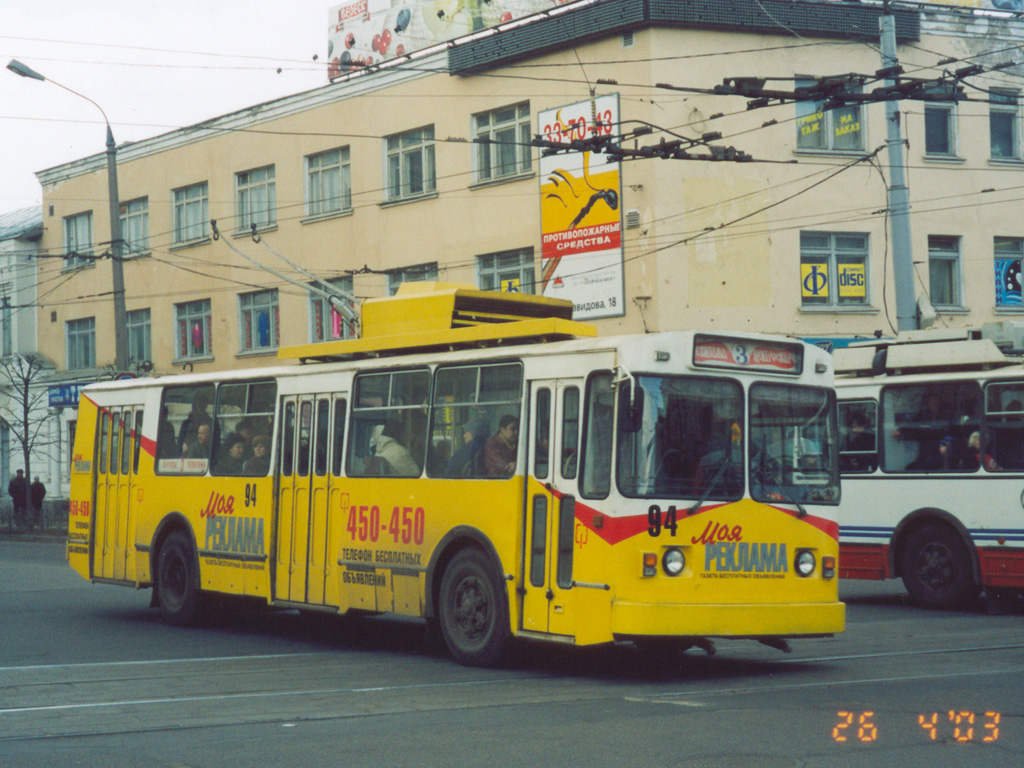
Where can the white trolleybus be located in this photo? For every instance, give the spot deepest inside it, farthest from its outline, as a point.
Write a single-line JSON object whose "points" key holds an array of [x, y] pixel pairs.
{"points": [[484, 462], [932, 457]]}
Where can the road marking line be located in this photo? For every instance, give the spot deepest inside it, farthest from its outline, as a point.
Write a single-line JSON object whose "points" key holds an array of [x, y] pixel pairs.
{"points": [[231, 696]]}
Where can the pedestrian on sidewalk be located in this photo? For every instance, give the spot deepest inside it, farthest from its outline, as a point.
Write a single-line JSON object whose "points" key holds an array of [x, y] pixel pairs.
{"points": [[18, 489], [38, 492]]}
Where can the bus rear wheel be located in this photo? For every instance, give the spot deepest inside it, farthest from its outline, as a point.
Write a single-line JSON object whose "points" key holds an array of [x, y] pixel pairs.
{"points": [[936, 568], [177, 581], [472, 613]]}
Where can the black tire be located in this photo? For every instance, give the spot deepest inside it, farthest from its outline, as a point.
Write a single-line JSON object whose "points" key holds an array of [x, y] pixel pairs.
{"points": [[472, 610], [936, 568], [177, 581]]}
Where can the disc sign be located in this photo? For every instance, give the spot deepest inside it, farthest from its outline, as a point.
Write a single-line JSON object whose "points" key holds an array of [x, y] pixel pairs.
{"points": [[581, 214]]}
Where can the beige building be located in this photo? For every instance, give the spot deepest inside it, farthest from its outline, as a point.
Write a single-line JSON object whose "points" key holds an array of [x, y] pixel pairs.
{"points": [[422, 170]]}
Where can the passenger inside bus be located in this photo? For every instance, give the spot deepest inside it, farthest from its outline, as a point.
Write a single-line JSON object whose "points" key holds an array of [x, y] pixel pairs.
{"points": [[259, 462], [390, 447], [500, 450], [200, 449], [231, 458]]}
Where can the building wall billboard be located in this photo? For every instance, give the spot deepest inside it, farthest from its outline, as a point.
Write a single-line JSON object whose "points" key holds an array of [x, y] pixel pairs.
{"points": [[581, 219], [364, 32]]}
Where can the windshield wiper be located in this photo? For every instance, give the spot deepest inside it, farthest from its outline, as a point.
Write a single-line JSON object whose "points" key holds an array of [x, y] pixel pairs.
{"points": [[723, 465]]}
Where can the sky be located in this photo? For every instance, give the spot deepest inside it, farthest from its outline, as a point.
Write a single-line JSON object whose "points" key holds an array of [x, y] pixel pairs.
{"points": [[152, 66]]}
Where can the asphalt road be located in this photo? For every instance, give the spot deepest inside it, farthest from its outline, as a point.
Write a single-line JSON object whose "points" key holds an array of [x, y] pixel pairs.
{"points": [[89, 676]]}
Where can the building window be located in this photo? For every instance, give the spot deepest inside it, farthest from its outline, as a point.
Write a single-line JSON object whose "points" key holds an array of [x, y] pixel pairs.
{"points": [[510, 271], [140, 346], [255, 198], [1002, 123], [419, 273], [81, 343], [410, 163], [78, 240], [944, 270], [135, 226], [6, 322], [939, 137], [193, 326], [260, 325], [837, 129], [833, 269], [328, 182], [502, 139], [1008, 252], [327, 323], [191, 212]]}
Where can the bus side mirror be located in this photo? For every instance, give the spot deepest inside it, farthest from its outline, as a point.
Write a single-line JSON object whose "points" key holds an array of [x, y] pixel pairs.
{"points": [[631, 408]]}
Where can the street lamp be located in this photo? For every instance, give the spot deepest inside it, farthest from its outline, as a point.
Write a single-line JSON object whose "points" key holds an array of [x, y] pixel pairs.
{"points": [[120, 315]]}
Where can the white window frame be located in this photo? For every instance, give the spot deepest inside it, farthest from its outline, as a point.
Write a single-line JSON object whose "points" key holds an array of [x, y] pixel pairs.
{"points": [[1009, 108], [1009, 262], [415, 274], [813, 120], [839, 250], [502, 137], [185, 316], [945, 264], [949, 125], [80, 343], [134, 215], [493, 270], [405, 155], [256, 198], [328, 182], [140, 335], [251, 307], [78, 240], [323, 318], [191, 213]]}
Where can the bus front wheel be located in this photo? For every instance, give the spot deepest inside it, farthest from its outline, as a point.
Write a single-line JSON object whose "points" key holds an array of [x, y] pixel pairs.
{"points": [[471, 609], [177, 581], [936, 568]]}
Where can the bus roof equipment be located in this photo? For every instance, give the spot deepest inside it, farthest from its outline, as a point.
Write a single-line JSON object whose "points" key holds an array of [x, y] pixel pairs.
{"points": [[424, 316]]}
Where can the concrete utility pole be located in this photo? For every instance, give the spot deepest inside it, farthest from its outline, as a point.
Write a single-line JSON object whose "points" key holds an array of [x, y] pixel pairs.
{"points": [[117, 267], [898, 192]]}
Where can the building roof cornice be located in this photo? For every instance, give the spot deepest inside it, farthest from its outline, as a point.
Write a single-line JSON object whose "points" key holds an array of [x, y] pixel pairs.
{"points": [[250, 118]]}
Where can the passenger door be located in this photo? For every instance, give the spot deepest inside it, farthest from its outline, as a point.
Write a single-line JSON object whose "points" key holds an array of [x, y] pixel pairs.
{"points": [[115, 485], [553, 452], [303, 560]]}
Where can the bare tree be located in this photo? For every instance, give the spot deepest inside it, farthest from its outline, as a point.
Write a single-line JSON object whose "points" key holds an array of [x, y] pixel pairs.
{"points": [[24, 403]]}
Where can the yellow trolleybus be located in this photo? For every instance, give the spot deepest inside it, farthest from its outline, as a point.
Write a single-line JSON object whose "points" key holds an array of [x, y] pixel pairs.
{"points": [[482, 461]]}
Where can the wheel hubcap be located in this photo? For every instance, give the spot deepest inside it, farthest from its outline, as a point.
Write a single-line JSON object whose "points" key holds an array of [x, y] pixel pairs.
{"points": [[472, 608], [935, 566]]}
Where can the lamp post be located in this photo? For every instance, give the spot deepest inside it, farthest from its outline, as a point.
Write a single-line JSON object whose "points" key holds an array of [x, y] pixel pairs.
{"points": [[120, 314]]}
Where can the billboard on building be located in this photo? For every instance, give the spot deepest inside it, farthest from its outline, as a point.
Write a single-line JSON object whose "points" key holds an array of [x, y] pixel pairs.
{"points": [[580, 215], [364, 32]]}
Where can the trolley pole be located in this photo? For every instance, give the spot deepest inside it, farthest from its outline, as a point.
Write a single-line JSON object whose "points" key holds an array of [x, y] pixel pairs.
{"points": [[898, 193]]}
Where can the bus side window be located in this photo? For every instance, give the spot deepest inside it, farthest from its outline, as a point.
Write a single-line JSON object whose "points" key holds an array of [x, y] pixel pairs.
{"points": [[858, 436], [288, 440], [570, 432], [1001, 444], [595, 471], [105, 417], [542, 437], [339, 436], [320, 445], [138, 442]]}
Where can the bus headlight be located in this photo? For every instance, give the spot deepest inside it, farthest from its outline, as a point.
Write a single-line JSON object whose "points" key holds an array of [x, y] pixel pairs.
{"points": [[805, 562], [673, 561]]}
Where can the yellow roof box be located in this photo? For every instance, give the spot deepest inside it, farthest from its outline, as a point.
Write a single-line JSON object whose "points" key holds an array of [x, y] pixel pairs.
{"points": [[425, 316]]}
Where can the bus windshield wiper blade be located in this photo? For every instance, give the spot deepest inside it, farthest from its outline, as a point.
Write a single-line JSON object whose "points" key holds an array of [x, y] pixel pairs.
{"points": [[719, 471]]}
